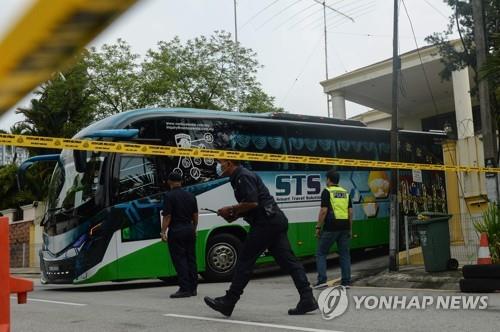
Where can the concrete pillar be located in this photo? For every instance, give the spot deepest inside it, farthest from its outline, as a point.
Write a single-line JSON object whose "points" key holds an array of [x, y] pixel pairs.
{"points": [[468, 149], [338, 104], [453, 193], [33, 253], [463, 105], [28, 212]]}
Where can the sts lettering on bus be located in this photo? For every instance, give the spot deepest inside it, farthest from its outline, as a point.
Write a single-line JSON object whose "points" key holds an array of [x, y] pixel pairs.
{"points": [[298, 187]]}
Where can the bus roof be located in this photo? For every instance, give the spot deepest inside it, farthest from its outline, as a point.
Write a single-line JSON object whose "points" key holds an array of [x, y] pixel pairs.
{"points": [[121, 120]]}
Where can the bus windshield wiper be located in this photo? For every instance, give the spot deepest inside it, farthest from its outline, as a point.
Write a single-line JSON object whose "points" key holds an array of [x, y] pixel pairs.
{"points": [[64, 212], [54, 209]]}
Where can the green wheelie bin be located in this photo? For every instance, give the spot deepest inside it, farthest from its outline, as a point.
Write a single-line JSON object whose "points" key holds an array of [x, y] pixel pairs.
{"points": [[434, 235]]}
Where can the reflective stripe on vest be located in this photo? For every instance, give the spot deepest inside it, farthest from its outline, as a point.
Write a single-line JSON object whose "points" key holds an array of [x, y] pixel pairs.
{"points": [[339, 200]]}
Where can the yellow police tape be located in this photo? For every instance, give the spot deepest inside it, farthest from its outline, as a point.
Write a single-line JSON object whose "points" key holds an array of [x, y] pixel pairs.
{"points": [[143, 149]]}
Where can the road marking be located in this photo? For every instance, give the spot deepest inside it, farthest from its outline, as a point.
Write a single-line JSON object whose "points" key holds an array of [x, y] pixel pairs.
{"points": [[406, 289], [242, 322], [50, 301]]}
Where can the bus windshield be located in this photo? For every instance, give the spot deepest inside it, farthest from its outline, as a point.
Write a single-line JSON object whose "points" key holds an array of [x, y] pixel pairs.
{"points": [[69, 189]]}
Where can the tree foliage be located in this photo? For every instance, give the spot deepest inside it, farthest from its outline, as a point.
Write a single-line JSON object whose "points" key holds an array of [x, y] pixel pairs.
{"points": [[455, 59], [114, 78], [63, 105], [10, 197], [213, 73], [205, 72], [492, 68]]}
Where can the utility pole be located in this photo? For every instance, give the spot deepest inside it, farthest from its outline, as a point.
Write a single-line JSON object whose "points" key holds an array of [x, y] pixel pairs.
{"points": [[236, 58], [488, 127], [394, 218], [325, 6], [326, 55]]}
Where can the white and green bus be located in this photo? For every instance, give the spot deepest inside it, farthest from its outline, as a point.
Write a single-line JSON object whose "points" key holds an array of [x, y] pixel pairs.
{"points": [[103, 217]]}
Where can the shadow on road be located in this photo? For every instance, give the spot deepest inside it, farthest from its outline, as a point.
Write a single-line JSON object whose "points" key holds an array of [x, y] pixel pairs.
{"points": [[332, 262], [259, 273]]}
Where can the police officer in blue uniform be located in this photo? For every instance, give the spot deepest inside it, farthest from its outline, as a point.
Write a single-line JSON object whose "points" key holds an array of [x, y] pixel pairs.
{"points": [[178, 229], [268, 230]]}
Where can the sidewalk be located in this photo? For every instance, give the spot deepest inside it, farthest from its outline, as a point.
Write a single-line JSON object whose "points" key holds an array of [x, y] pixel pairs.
{"points": [[26, 272], [413, 276]]}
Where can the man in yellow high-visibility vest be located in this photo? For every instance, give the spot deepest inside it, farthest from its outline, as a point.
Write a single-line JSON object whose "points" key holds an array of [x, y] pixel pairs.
{"points": [[334, 225]]}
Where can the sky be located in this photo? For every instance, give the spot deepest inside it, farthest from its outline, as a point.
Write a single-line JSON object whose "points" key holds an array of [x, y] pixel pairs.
{"points": [[287, 36]]}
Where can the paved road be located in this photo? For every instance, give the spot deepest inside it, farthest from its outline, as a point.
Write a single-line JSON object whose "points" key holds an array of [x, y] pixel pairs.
{"points": [[145, 306]]}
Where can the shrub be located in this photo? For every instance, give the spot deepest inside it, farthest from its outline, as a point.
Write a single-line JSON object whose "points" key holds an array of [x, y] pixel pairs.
{"points": [[491, 226]]}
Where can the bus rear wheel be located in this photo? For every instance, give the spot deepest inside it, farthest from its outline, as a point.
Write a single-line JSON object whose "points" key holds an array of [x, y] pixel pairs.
{"points": [[221, 256]]}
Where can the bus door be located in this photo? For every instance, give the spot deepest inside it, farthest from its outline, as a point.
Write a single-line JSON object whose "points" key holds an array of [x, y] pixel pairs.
{"points": [[139, 197]]}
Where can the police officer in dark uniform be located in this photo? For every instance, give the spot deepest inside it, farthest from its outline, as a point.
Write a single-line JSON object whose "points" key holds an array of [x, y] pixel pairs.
{"points": [[178, 229], [268, 230]]}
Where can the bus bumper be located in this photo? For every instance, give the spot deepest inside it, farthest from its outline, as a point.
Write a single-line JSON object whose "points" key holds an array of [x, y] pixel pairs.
{"points": [[57, 270]]}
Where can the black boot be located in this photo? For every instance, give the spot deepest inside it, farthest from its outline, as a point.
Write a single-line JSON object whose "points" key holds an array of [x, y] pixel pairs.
{"points": [[179, 294], [306, 304], [222, 304]]}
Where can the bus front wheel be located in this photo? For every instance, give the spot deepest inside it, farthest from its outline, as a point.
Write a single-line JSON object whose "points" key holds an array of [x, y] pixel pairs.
{"points": [[221, 256]]}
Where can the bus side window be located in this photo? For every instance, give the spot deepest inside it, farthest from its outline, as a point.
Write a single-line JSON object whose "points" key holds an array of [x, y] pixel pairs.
{"points": [[261, 138], [310, 141], [137, 178]]}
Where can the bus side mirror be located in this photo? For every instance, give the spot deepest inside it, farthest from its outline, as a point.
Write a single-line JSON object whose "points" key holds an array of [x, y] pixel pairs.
{"points": [[20, 176], [80, 158]]}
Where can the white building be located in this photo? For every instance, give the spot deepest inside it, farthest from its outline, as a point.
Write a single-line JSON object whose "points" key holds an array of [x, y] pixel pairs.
{"points": [[426, 102], [8, 153]]}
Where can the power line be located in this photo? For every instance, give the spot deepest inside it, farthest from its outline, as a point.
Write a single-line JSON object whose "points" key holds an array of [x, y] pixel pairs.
{"points": [[357, 14], [306, 17], [295, 15], [421, 61], [278, 13], [437, 10], [352, 5], [360, 34], [313, 51], [325, 34], [352, 11], [311, 14], [340, 59], [258, 13], [333, 9]]}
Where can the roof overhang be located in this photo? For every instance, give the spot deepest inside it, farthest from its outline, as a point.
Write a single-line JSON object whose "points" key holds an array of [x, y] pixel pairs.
{"points": [[371, 86]]}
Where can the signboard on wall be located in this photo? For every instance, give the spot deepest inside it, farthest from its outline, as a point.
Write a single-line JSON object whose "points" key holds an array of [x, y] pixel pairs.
{"points": [[417, 175]]}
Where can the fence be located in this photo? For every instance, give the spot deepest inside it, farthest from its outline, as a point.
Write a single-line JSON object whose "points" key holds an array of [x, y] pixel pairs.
{"points": [[464, 237], [24, 255]]}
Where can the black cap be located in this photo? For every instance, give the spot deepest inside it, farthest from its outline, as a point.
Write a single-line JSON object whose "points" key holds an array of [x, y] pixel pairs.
{"points": [[174, 176]]}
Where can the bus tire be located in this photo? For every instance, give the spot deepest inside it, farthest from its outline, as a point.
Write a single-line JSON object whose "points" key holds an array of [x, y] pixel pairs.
{"points": [[221, 255], [481, 271], [479, 285]]}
